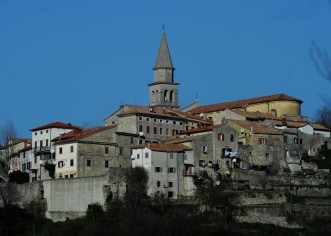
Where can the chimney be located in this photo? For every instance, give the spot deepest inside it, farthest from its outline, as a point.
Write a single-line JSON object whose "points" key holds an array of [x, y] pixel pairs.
{"points": [[284, 121]]}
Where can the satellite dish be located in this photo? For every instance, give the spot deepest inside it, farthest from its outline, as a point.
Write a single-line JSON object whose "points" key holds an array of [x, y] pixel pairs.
{"points": [[242, 130], [52, 150], [132, 158], [202, 115], [218, 182], [141, 134], [234, 160]]}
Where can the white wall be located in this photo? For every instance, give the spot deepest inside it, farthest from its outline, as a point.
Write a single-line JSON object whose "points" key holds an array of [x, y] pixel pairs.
{"points": [[65, 158]]}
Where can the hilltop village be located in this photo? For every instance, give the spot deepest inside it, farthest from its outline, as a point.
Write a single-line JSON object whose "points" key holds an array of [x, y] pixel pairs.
{"points": [[257, 143]]}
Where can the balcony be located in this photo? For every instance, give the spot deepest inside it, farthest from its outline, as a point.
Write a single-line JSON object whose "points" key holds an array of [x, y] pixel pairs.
{"points": [[41, 150]]}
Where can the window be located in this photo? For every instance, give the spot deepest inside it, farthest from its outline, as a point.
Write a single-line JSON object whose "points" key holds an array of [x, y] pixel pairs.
{"points": [[155, 120], [41, 132], [170, 184], [147, 119], [170, 194], [300, 141], [158, 184], [46, 131], [140, 128], [71, 148], [295, 140], [35, 133], [28, 165], [140, 118], [276, 142], [180, 122], [88, 163], [266, 155], [146, 154], [171, 170], [140, 141], [35, 144], [285, 139], [221, 137], [24, 167], [161, 131], [232, 138], [147, 129], [173, 132], [66, 176], [171, 156], [71, 162], [131, 140], [158, 169], [174, 122], [121, 151], [167, 131], [35, 159], [161, 120], [46, 142], [263, 141], [41, 143], [71, 175], [204, 149], [106, 164], [155, 130], [138, 156], [60, 150], [60, 164], [106, 150]]}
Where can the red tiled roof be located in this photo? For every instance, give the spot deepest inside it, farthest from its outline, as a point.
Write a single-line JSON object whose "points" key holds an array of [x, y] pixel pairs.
{"points": [[318, 126], [161, 147], [79, 134], [201, 129], [57, 124], [254, 115], [255, 127], [243, 103], [165, 112], [177, 140]]}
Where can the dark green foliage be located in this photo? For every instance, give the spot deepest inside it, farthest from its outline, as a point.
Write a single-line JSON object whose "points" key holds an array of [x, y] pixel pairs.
{"points": [[51, 169], [136, 192], [19, 177], [323, 158], [94, 211]]}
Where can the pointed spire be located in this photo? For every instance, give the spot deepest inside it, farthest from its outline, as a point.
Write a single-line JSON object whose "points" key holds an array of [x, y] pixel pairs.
{"points": [[163, 60]]}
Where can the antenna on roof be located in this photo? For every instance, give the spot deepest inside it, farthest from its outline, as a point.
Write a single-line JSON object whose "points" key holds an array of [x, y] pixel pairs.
{"points": [[163, 28]]}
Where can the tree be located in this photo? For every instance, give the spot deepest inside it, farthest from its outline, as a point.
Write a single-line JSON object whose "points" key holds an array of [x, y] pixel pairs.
{"points": [[137, 184], [19, 177], [9, 194], [7, 136], [323, 116]]}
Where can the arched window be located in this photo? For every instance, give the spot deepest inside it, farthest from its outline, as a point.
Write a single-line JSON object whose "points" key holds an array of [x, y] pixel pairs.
{"points": [[171, 96], [165, 95]]}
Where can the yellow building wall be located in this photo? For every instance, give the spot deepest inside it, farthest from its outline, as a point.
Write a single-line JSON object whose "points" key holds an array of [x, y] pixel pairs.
{"points": [[292, 108]]}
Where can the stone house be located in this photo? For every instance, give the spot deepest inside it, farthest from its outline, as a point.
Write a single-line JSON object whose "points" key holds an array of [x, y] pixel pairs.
{"points": [[165, 164], [43, 147], [87, 152]]}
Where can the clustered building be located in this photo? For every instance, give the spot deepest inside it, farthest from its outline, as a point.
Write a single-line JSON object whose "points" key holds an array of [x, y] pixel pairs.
{"points": [[175, 144]]}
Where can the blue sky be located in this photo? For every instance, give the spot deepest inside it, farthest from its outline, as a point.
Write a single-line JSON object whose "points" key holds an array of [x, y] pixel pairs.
{"points": [[77, 61]]}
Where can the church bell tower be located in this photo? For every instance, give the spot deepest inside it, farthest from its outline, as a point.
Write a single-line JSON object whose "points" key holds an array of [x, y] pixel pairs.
{"points": [[163, 92]]}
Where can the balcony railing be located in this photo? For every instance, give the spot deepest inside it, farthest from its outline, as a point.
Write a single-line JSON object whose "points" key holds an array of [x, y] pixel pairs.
{"points": [[42, 150]]}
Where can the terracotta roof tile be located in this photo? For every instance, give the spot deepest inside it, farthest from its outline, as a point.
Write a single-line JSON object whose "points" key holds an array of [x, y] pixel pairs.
{"points": [[200, 129], [79, 134], [161, 147], [255, 127], [165, 112], [254, 115], [243, 103], [56, 125]]}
